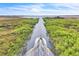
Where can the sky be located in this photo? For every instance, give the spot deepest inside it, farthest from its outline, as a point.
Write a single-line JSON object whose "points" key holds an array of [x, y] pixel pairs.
{"points": [[39, 8]]}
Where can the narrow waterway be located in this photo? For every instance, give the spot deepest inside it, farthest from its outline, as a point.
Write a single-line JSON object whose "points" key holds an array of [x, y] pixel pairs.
{"points": [[39, 31]]}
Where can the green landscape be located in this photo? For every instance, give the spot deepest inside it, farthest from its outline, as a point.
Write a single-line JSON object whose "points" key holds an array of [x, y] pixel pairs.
{"points": [[14, 33], [64, 35], [39, 29]]}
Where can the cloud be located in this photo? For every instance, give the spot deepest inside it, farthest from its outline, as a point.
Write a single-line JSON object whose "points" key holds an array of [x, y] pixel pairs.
{"points": [[40, 9]]}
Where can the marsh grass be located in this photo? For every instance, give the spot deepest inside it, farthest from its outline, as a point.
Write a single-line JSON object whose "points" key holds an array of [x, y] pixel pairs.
{"points": [[13, 34], [64, 35]]}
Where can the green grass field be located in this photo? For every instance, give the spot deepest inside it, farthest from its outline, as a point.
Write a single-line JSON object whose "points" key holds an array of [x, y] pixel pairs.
{"points": [[64, 35], [13, 34]]}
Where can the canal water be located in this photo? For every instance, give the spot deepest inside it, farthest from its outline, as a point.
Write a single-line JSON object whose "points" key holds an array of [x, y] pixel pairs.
{"points": [[39, 31]]}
